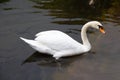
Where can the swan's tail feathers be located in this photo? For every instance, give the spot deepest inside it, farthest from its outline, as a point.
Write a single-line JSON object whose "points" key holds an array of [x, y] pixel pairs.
{"points": [[38, 46], [30, 42], [34, 44], [23, 39]]}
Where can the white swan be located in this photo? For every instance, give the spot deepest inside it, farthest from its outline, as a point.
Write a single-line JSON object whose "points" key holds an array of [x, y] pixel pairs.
{"points": [[59, 44]]}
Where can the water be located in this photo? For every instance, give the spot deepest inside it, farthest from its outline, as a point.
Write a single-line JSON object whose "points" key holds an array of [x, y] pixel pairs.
{"points": [[25, 18]]}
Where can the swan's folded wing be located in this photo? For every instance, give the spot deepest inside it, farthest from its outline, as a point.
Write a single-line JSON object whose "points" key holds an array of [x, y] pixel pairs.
{"points": [[57, 40]]}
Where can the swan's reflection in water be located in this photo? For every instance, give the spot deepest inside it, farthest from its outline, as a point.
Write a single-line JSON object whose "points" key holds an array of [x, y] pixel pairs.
{"points": [[75, 66], [48, 60]]}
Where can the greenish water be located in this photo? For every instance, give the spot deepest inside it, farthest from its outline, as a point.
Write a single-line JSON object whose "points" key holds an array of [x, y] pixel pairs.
{"points": [[25, 18], [80, 11]]}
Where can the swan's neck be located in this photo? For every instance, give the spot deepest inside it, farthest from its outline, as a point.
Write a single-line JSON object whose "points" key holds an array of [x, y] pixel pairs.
{"points": [[86, 43]]}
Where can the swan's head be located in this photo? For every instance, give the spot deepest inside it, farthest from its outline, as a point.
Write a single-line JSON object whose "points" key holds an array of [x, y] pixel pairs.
{"points": [[96, 25]]}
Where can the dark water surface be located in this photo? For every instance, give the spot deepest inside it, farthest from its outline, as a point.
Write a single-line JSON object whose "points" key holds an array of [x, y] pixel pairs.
{"points": [[25, 18]]}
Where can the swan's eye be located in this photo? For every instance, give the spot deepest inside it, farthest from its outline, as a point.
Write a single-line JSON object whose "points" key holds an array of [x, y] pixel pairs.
{"points": [[101, 29]]}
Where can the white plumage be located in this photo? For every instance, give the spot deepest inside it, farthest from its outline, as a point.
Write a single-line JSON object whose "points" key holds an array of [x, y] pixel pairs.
{"points": [[59, 44]]}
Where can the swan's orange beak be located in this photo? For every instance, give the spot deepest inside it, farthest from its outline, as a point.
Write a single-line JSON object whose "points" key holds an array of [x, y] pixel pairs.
{"points": [[102, 30]]}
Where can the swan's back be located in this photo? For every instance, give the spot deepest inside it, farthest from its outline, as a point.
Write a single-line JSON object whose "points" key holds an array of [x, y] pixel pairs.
{"points": [[57, 40]]}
